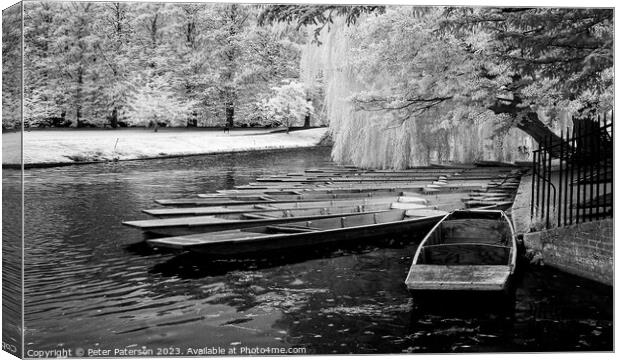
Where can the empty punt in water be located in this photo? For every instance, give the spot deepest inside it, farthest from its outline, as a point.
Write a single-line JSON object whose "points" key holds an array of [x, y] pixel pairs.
{"points": [[244, 208], [378, 190], [468, 250], [197, 224], [266, 199], [303, 233], [318, 194]]}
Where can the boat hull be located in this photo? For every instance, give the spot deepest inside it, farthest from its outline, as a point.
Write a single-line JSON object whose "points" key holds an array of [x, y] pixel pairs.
{"points": [[467, 251], [235, 246], [223, 224]]}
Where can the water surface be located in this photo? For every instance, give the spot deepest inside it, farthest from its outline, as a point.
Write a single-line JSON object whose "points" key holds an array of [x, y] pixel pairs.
{"points": [[91, 283]]}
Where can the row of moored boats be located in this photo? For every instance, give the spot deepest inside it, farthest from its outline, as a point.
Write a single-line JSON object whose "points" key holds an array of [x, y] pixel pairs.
{"points": [[344, 204]]}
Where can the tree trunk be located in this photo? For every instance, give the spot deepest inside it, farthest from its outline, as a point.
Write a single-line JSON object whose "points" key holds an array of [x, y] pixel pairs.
{"points": [[230, 114], [307, 121], [114, 118], [535, 128], [78, 98], [78, 116], [530, 124]]}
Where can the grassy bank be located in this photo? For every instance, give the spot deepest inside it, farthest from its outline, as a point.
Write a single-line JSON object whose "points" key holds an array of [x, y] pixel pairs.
{"points": [[70, 146]]}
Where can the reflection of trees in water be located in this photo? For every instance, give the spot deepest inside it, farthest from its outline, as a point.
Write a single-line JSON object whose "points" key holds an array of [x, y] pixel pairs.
{"points": [[12, 260], [351, 289], [363, 309]]}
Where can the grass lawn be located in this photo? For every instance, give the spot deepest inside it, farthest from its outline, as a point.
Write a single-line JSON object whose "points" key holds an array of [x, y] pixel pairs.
{"points": [[72, 145]]}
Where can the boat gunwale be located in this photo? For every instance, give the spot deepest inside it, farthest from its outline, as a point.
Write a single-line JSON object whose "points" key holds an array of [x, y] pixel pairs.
{"points": [[242, 221], [513, 241], [289, 235], [260, 207]]}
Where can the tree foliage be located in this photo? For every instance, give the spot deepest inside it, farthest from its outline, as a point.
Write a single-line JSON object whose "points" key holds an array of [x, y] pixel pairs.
{"points": [[11, 63], [441, 65], [100, 64], [315, 15], [289, 106]]}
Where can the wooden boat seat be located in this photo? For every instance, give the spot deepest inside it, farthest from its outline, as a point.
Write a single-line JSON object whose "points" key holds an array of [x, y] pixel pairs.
{"points": [[406, 206], [464, 278], [466, 254], [264, 207], [258, 216], [485, 231], [291, 229], [177, 221], [424, 213]]}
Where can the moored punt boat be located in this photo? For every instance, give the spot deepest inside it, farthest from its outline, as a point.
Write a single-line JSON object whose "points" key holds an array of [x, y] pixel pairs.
{"points": [[451, 166], [487, 163], [302, 194], [485, 198], [304, 233], [462, 185], [235, 209], [468, 250], [328, 185], [411, 176], [345, 179], [197, 224], [309, 189], [258, 199], [483, 203]]}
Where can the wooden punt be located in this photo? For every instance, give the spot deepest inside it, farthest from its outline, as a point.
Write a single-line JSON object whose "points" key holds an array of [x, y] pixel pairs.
{"points": [[399, 173], [391, 178], [487, 163], [328, 185], [302, 194], [468, 250], [451, 166], [483, 203], [275, 192], [304, 233], [258, 199], [413, 186], [310, 190], [235, 209], [199, 224], [485, 198]]}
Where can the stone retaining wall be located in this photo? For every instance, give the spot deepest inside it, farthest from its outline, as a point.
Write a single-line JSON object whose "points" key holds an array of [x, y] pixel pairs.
{"points": [[584, 249], [520, 211]]}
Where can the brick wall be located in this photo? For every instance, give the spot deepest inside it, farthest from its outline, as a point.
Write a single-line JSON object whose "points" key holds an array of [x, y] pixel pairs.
{"points": [[584, 249]]}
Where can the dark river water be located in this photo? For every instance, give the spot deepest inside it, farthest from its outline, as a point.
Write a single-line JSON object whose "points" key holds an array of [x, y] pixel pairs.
{"points": [[91, 283]]}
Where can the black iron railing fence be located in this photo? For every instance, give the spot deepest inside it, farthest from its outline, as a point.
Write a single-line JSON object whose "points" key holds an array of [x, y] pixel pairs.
{"points": [[572, 179]]}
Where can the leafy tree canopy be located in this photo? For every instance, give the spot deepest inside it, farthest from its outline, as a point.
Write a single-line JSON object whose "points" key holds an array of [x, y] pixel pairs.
{"points": [[455, 63], [315, 15], [115, 63]]}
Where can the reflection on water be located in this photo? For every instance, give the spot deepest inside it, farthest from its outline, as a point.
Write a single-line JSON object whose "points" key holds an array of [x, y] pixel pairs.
{"points": [[92, 283], [11, 262]]}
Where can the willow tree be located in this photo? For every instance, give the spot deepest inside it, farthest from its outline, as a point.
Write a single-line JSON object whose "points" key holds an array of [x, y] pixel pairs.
{"points": [[449, 65]]}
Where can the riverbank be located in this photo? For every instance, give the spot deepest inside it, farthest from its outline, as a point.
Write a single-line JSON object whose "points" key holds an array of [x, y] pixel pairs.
{"points": [[584, 250], [65, 146]]}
